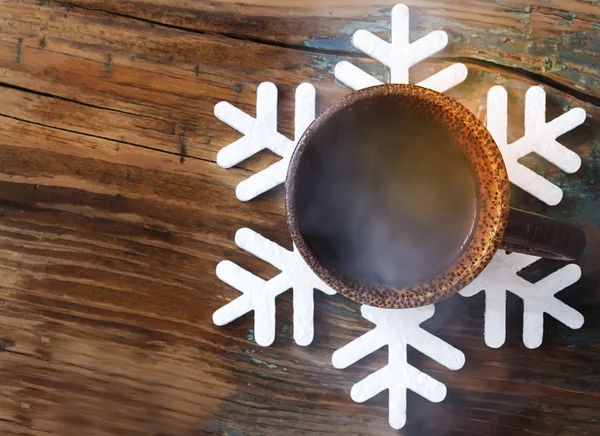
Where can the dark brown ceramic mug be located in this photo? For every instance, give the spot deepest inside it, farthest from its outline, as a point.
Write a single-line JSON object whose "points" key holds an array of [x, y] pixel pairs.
{"points": [[397, 196]]}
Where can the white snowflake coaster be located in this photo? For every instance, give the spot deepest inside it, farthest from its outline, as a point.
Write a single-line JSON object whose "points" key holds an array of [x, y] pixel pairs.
{"points": [[539, 138], [399, 55], [538, 298], [261, 133], [397, 329], [259, 295]]}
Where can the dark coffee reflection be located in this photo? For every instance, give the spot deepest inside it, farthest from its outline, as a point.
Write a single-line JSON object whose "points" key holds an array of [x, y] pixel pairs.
{"points": [[385, 196]]}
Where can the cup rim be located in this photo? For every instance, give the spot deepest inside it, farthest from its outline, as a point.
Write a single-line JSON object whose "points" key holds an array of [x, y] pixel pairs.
{"points": [[493, 200]]}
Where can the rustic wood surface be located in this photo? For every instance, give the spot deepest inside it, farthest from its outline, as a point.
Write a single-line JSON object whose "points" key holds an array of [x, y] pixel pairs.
{"points": [[113, 216]]}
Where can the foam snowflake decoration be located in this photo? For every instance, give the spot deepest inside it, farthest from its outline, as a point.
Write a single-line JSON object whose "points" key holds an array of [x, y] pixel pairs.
{"points": [[399, 55], [540, 138], [259, 295], [397, 329], [261, 133], [538, 298]]}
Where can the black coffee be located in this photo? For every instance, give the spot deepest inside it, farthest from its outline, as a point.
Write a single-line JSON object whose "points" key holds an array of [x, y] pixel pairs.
{"points": [[385, 196]]}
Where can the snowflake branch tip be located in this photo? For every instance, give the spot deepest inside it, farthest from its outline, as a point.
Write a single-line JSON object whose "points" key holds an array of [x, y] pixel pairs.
{"points": [[242, 235], [306, 89], [400, 10], [446, 79]]}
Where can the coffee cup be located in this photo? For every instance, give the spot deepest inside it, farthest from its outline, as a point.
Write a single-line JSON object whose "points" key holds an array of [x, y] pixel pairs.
{"points": [[397, 196]]}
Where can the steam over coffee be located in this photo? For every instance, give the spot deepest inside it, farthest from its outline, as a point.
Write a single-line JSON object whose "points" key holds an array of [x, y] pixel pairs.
{"points": [[384, 195]]}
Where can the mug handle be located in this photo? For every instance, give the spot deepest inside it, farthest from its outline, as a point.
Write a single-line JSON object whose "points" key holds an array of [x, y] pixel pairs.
{"points": [[530, 233]]}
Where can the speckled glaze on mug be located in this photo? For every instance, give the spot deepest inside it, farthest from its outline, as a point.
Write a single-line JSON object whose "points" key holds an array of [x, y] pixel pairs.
{"points": [[528, 232]]}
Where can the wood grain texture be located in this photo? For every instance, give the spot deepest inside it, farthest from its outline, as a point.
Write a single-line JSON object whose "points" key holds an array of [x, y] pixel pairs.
{"points": [[113, 216], [557, 38]]}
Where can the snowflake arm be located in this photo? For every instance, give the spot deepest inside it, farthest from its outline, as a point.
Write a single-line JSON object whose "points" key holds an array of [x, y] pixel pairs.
{"points": [[538, 298], [540, 138], [259, 295], [261, 133], [542, 300], [397, 329], [553, 284], [399, 56]]}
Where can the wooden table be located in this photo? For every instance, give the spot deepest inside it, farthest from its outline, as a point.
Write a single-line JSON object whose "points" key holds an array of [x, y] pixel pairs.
{"points": [[113, 216]]}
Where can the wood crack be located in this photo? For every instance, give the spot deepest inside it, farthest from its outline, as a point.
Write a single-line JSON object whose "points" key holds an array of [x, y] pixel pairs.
{"points": [[178, 155], [234, 36], [70, 100], [536, 77], [545, 80]]}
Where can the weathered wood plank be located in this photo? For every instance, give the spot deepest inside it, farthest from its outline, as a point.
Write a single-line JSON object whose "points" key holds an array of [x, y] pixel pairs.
{"points": [[559, 38]]}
